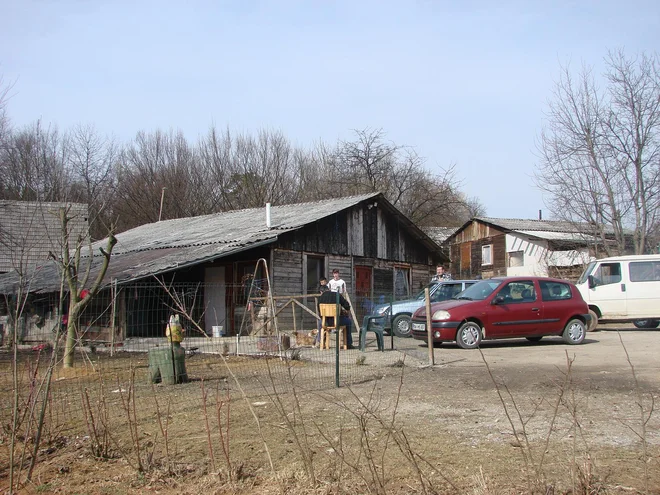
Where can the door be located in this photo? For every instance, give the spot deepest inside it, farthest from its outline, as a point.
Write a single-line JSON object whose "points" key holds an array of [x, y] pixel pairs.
{"points": [[363, 303], [214, 300], [643, 289], [518, 314], [609, 289]]}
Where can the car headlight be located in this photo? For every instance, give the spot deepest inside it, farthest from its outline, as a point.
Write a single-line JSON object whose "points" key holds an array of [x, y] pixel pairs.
{"points": [[441, 314], [383, 311]]}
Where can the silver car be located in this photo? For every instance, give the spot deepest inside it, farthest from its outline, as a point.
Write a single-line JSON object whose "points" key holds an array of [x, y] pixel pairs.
{"points": [[397, 315]]}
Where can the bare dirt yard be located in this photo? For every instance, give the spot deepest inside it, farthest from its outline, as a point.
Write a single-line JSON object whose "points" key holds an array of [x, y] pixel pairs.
{"points": [[515, 417]]}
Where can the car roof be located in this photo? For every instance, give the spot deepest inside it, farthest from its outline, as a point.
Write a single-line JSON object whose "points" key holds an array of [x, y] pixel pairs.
{"points": [[452, 281], [530, 277]]}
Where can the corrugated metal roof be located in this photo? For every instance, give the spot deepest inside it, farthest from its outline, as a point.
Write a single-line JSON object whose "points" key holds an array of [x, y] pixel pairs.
{"points": [[439, 234], [558, 236], [167, 245], [232, 228], [520, 224]]}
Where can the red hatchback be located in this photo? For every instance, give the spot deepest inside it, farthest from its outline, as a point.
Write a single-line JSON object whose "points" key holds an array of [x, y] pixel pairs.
{"points": [[502, 308]]}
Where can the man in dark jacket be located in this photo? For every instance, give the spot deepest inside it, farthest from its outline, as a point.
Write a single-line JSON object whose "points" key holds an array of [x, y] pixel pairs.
{"points": [[328, 297]]}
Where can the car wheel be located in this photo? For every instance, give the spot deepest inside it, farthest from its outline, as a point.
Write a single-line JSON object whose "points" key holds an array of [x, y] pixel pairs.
{"points": [[401, 326], [593, 323], [469, 335], [646, 323], [574, 332], [534, 339]]}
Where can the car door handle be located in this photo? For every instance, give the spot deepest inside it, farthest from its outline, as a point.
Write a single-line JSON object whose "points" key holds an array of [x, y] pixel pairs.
{"points": [[535, 309], [623, 287]]}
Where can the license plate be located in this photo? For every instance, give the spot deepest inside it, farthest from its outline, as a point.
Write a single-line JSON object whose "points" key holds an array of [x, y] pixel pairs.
{"points": [[418, 326]]}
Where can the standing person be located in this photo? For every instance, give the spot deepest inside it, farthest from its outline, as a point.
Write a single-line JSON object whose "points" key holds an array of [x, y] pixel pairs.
{"points": [[337, 284], [440, 274], [323, 284]]}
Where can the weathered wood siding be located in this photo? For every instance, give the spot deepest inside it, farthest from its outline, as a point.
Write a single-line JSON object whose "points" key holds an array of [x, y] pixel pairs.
{"points": [[470, 240], [287, 279], [361, 231], [421, 276]]}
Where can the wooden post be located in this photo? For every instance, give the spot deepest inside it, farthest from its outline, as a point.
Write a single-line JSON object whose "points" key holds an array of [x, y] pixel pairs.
{"points": [[429, 328], [113, 293], [293, 314], [355, 320]]}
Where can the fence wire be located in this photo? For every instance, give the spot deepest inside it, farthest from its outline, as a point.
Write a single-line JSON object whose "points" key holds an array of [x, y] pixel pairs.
{"points": [[235, 343]]}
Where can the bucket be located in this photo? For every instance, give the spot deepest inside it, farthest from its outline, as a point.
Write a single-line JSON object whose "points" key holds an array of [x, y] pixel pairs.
{"points": [[218, 331]]}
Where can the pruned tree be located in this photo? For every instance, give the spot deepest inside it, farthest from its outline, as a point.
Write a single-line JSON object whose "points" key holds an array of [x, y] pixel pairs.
{"points": [[600, 151], [76, 277]]}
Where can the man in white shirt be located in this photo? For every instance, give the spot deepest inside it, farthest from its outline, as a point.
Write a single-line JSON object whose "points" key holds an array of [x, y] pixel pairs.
{"points": [[337, 284]]}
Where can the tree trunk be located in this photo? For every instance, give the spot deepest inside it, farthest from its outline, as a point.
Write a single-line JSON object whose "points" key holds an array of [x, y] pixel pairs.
{"points": [[71, 336]]}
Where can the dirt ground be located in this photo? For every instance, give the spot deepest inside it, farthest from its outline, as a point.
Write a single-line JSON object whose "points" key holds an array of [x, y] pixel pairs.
{"points": [[517, 417]]}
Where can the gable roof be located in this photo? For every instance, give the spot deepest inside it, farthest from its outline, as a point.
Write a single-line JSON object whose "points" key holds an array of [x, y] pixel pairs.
{"points": [[551, 230], [163, 246], [439, 234], [29, 230], [519, 224]]}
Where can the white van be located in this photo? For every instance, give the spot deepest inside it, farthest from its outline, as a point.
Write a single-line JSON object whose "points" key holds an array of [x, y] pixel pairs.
{"points": [[623, 289]]}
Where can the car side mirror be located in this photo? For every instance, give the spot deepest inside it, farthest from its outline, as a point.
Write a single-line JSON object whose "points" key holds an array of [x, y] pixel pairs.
{"points": [[591, 282], [498, 300]]}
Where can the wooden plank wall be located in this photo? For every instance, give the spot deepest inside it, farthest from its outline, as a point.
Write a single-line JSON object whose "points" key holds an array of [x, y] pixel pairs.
{"points": [[421, 276], [287, 274]]}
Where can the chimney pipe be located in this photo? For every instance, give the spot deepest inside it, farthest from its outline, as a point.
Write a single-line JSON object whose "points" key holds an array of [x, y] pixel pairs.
{"points": [[540, 214], [268, 215]]}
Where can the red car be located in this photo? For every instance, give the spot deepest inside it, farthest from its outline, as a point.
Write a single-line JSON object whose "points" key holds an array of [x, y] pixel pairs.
{"points": [[502, 308]]}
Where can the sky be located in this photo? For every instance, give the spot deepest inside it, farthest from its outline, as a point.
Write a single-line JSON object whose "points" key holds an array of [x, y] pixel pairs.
{"points": [[463, 83]]}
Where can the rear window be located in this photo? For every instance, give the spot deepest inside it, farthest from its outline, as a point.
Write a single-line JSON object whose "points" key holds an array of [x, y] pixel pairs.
{"points": [[555, 291], [644, 271]]}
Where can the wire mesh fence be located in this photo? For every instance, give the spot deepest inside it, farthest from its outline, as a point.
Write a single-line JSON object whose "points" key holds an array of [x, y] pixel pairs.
{"points": [[235, 339]]}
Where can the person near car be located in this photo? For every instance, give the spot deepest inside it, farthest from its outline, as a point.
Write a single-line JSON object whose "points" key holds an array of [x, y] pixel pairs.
{"points": [[337, 284], [329, 297], [440, 274]]}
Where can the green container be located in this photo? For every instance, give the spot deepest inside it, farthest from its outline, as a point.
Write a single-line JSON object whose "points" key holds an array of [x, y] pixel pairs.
{"points": [[168, 364]]}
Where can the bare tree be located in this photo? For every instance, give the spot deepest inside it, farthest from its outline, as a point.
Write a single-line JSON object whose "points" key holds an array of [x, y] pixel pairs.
{"points": [[600, 151], [91, 161], [76, 275], [369, 164], [5, 88], [33, 165]]}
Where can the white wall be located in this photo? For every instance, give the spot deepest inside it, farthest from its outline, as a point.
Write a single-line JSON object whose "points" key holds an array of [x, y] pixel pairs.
{"points": [[214, 299], [537, 257]]}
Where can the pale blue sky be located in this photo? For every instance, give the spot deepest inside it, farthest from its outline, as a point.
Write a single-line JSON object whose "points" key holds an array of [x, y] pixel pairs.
{"points": [[461, 82]]}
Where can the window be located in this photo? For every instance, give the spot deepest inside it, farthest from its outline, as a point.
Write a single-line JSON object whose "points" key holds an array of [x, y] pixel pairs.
{"points": [[249, 285], [518, 292], [516, 258], [487, 254], [446, 291], [644, 271], [401, 282], [608, 273], [314, 273], [554, 291]]}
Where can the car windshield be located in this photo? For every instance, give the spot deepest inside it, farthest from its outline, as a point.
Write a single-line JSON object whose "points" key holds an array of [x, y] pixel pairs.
{"points": [[479, 291], [429, 287], [587, 271]]}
